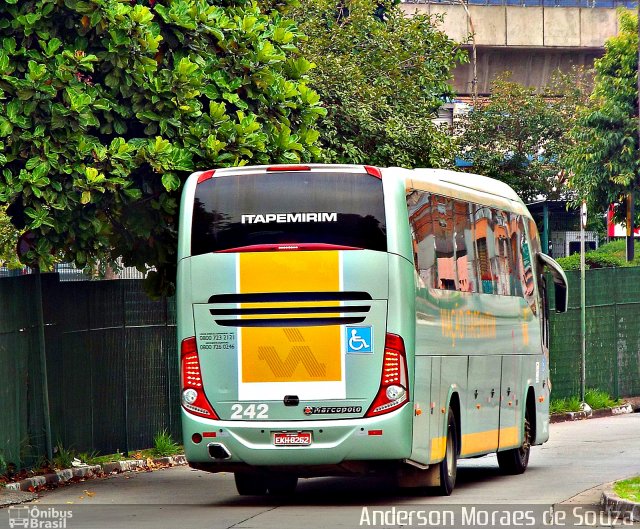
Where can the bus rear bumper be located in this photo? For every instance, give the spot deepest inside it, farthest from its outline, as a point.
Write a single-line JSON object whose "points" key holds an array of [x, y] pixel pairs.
{"points": [[227, 445]]}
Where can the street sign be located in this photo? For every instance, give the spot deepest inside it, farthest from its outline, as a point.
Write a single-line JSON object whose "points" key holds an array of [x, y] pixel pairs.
{"points": [[583, 214]]}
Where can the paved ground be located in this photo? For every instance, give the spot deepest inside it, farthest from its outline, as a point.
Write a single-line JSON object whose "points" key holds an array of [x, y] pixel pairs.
{"points": [[580, 456]]}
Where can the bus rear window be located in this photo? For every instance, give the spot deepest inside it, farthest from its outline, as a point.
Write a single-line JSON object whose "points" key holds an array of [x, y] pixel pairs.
{"points": [[237, 211]]}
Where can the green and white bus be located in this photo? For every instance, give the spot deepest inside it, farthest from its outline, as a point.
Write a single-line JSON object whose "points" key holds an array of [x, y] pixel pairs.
{"points": [[346, 319]]}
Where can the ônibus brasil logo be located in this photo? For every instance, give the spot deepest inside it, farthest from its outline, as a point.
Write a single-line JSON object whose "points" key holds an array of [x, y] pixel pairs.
{"points": [[38, 518]]}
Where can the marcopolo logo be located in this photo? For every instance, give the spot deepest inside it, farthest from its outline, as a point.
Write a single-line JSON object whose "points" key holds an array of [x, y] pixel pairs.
{"points": [[284, 218], [39, 518]]}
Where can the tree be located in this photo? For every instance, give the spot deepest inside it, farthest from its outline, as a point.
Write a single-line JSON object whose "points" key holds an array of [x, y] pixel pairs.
{"points": [[519, 135], [382, 77], [8, 242], [603, 160], [107, 105]]}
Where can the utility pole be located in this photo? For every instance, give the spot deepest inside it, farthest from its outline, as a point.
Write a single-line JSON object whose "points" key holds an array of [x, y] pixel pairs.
{"points": [[583, 308], [631, 195], [474, 55]]}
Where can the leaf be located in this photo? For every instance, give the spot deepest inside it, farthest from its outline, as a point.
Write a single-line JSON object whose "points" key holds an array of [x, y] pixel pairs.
{"points": [[170, 181], [6, 127], [86, 197]]}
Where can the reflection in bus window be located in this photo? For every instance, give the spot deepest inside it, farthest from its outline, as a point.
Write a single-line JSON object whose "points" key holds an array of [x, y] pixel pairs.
{"points": [[443, 228], [527, 268], [515, 263], [484, 243], [464, 247], [501, 263], [421, 222]]}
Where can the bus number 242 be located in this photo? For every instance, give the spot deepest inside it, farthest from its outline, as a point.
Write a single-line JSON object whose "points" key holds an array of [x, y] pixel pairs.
{"points": [[252, 411]]}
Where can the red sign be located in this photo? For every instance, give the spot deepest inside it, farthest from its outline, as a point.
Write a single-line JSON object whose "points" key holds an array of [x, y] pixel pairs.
{"points": [[617, 230]]}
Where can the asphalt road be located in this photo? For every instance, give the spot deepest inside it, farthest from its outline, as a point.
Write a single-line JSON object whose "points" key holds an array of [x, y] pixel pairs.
{"points": [[579, 456]]}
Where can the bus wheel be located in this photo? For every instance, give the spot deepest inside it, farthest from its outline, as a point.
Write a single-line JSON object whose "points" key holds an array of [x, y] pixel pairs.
{"points": [[516, 460], [248, 484], [282, 484], [449, 465]]}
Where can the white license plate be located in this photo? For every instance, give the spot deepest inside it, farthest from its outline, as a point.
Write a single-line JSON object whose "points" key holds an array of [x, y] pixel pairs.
{"points": [[292, 438]]}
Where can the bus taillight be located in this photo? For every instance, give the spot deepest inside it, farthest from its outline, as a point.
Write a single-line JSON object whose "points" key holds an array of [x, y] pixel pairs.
{"points": [[394, 388], [193, 397]]}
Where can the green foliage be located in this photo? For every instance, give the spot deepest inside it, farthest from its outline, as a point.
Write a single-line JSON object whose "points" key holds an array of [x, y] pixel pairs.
{"points": [[609, 255], [595, 398], [164, 445], [604, 161], [628, 489], [382, 77], [89, 458], [63, 457], [598, 399], [3, 465], [8, 241], [519, 135], [106, 106], [564, 405]]}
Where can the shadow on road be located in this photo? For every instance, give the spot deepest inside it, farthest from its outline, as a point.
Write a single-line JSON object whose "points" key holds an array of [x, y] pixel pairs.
{"points": [[355, 491]]}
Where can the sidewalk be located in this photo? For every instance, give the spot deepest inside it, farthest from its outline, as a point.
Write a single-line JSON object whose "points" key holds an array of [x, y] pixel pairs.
{"points": [[24, 490], [14, 497]]}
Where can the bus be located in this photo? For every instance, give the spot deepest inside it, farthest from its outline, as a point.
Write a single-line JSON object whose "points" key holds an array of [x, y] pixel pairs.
{"points": [[347, 319]]}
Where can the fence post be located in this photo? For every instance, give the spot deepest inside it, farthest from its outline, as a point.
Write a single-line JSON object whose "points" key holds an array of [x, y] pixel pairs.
{"points": [[126, 371], [616, 367], [43, 364]]}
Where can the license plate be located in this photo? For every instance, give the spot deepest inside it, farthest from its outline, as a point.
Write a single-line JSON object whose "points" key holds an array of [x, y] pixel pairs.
{"points": [[292, 438]]}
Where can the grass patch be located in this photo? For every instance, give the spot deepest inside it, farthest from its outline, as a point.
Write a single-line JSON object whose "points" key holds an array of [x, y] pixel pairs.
{"points": [[564, 405], [629, 489], [63, 457], [600, 399], [595, 398], [164, 445]]}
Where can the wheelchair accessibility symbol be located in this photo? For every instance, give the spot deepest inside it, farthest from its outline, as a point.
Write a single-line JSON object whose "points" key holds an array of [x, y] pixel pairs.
{"points": [[359, 340]]}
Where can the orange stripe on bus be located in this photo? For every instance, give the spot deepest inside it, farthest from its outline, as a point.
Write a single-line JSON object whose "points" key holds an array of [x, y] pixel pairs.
{"points": [[292, 354], [475, 443]]}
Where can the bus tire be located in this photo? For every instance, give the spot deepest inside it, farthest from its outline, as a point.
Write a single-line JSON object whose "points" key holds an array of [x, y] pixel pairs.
{"points": [[449, 465], [249, 484], [282, 484], [516, 460]]}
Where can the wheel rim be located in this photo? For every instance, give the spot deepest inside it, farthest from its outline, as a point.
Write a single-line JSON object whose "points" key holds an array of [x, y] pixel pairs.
{"points": [[451, 462], [526, 444]]}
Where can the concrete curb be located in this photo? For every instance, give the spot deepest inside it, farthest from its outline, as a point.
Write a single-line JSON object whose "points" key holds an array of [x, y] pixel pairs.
{"points": [[90, 471], [593, 414], [15, 497], [615, 506]]}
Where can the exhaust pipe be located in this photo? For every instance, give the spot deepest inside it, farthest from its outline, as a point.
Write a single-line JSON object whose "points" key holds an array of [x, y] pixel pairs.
{"points": [[218, 451]]}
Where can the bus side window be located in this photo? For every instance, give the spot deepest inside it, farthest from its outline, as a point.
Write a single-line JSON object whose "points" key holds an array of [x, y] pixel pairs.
{"points": [[421, 222], [466, 275], [515, 259], [483, 233], [501, 263], [443, 228], [526, 276]]}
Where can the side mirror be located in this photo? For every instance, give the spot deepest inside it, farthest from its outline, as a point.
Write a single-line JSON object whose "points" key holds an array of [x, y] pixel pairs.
{"points": [[559, 280]]}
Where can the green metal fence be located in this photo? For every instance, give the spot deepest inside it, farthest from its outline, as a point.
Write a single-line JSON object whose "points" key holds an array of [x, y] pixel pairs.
{"points": [[111, 363], [113, 370], [612, 334], [22, 430]]}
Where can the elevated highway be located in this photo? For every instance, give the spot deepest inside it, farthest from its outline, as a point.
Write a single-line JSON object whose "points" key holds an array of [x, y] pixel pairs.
{"points": [[531, 41]]}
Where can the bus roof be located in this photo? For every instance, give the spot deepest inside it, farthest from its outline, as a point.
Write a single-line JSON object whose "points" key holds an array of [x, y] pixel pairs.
{"points": [[466, 186]]}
